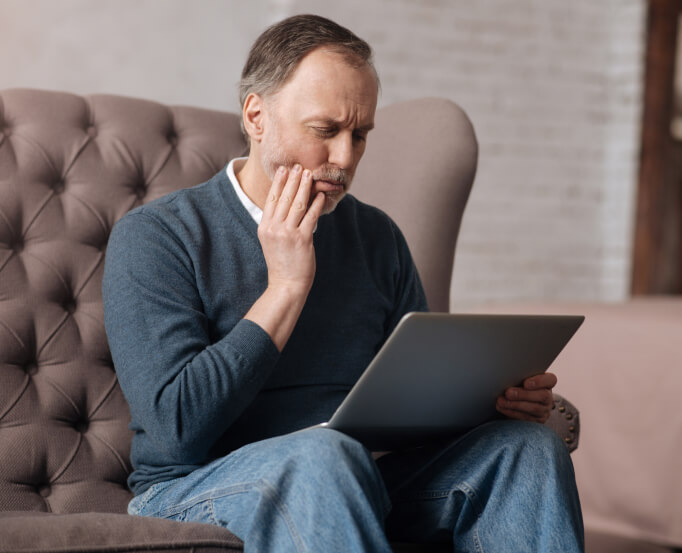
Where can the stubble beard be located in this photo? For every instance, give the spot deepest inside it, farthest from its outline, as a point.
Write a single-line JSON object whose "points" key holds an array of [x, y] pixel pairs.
{"points": [[274, 156]]}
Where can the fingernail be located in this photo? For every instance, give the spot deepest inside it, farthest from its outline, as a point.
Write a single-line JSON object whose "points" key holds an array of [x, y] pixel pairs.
{"points": [[297, 167], [281, 170], [306, 173], [530, 384]]}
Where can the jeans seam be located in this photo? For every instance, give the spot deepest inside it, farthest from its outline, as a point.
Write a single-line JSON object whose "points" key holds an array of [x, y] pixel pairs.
{"points": [[271, 492], [471, 495], [147, 496], [206, 496], [425, 494], [266, 489]]}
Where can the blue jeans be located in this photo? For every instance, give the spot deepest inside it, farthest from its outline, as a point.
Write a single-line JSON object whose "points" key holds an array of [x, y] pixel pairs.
{"points": [[505, 486]]}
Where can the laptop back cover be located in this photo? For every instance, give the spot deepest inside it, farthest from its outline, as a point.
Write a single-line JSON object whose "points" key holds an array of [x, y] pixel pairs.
{"points": [[440, 374]]}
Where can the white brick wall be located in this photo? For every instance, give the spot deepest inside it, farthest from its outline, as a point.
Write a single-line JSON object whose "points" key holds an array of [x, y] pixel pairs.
{"points": [[554, 91], [553, 87]]}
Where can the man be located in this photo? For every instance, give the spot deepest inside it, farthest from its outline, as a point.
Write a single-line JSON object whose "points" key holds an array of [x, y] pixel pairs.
{"points": [[240, 312]]}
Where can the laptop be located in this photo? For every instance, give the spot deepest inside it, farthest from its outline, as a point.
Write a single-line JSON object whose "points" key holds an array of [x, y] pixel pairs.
{"points": [[439, 375]]}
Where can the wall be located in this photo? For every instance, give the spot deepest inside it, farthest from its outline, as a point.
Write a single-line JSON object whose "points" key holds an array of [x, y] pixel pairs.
{"points": [[171, 51], [553, 88]]}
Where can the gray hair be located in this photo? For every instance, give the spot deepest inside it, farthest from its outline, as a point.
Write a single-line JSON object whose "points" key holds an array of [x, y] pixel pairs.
{"points": [[280, 48]]}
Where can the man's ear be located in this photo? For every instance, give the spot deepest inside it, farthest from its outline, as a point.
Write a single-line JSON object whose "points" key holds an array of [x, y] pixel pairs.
{"points": [[253, 116]]}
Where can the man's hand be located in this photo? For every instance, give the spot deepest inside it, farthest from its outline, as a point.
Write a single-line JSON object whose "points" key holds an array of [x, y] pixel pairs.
{"points": [[532, 402], [286, 230], [286, 237]]}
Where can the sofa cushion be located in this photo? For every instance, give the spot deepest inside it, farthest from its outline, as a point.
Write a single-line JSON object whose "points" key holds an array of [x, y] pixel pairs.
{"points": [[85, 532], [622, 369]]}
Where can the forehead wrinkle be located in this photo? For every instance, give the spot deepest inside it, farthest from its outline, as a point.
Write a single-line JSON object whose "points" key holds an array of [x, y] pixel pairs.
{"points": [[342, 122]]}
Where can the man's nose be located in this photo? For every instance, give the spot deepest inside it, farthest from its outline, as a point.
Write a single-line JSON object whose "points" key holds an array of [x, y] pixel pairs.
{"points": [[341, 150]]}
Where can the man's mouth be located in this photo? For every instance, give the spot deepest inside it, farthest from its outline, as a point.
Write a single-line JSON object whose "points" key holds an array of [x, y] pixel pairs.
{"points": [[328, 186]]}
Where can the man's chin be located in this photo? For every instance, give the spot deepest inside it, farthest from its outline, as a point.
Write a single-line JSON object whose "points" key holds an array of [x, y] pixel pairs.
{"points": [[331, 200]]}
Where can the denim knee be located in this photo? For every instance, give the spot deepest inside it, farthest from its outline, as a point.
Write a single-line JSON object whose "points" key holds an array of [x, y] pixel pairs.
{"points": [[534, 441], [329, 450], [538, 437], [336, 459]]}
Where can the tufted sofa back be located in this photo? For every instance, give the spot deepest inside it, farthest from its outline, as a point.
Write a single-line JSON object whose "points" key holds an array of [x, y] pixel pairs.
{"points": [[70, 167]]}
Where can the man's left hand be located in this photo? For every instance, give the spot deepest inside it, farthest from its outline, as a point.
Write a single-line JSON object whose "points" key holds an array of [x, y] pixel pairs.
{"points": [[531, 402]]}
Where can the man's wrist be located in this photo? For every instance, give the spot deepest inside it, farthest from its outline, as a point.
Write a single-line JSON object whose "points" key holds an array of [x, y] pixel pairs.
{"points": [[289, 289], [278, 309]]}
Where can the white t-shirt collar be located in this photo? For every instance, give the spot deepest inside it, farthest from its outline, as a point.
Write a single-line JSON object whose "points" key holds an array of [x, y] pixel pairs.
{"points": [[255, 211]]}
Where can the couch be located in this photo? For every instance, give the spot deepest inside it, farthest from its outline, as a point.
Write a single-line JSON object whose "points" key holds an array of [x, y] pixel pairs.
{"points": [[70, 167], [624, 369]]}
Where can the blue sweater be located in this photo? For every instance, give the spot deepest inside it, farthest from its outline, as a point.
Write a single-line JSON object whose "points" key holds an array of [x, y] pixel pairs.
{"points": [[180, 274]]}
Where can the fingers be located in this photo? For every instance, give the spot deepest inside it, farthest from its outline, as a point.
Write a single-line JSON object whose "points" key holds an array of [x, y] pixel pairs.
{"points": [[545, 380], [299, 204], [542, 396], [289, 196], [313, 214], [286, 197], [533, 401], [524, 410], [275, 192], [289, 193]]}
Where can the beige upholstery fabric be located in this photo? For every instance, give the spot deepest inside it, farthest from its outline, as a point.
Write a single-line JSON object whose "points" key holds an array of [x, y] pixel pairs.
{"points": [[95, 532], [418, 178], [623, 369], [70, 167]]}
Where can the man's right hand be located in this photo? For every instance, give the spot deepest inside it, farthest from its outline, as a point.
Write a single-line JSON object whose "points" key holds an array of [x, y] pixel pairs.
{"points": [[286, 237], [286, 230]]}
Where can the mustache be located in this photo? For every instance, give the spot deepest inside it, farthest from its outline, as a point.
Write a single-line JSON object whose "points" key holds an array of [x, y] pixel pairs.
{"points": [[333, 174]]}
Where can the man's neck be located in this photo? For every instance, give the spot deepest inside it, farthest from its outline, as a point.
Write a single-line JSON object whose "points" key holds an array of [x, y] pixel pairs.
{"points": [[253, 180]]}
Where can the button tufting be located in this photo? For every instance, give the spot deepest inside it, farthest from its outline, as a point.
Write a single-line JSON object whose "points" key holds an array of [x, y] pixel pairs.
{"points": [[44, 490], [58, 187], [18, 245], [91, 131], [70, 306], [140, 191], [172, 138], [31, 369], [82, 426]]}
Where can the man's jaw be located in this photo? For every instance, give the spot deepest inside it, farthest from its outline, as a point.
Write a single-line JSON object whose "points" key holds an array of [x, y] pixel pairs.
{"points": [[333, 183]]}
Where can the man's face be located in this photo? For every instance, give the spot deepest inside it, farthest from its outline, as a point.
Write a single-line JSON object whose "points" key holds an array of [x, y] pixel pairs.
{"points": [[320, 119]]}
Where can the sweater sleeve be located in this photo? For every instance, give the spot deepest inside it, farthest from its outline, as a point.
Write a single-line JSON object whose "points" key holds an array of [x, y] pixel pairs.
{"points": [[183, 391]]}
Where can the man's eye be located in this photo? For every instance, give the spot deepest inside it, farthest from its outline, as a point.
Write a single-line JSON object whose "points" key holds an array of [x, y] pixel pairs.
{"points": [[359, 137], [325, 131]]}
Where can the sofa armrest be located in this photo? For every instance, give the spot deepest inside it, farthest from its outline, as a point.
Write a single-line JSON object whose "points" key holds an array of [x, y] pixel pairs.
{"points": [[565, 421], [30, 531]]}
